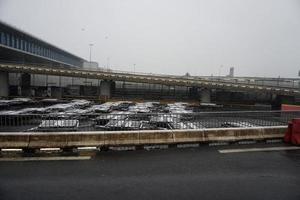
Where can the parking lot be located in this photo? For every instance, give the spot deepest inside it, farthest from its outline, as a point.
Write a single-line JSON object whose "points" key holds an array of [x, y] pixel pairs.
{"points": [[82, 115]]}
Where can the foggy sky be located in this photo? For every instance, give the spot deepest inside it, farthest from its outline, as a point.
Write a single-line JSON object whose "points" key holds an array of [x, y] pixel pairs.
{"points": [[257, 37]]}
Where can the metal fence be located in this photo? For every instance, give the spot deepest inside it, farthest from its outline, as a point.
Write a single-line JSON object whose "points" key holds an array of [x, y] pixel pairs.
{"points": [[144, 121]]}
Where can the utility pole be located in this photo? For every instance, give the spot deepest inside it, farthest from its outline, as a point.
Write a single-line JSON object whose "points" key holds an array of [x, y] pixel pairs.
{"points": [[107, 64], [91, 45]]}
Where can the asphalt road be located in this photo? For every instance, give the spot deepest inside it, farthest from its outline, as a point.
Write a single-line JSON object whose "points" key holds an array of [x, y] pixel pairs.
{"points": [[194, 173]]}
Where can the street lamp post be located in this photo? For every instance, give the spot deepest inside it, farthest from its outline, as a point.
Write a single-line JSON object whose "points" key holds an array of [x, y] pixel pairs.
{"points": [[91, 52], [107, 64]]}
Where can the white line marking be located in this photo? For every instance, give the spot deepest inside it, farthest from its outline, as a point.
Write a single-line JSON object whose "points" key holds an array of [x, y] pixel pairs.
{"points": [[49, 149], [149, 147], [274, 141], [87, 148], [46, 158], [187, 145], [11, 150], [258, 149], [247, 142], [218, 144]]}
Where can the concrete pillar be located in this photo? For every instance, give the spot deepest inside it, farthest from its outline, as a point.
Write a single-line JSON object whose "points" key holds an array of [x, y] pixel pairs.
{"points": [[193, 92], [107, 88], [56, 92], [205, 96], [4, 84], [25, 82]]}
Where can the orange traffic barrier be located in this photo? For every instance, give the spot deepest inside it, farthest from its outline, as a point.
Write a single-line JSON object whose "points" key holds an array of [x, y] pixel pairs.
{"points": [[288, 133], [292, 135]]}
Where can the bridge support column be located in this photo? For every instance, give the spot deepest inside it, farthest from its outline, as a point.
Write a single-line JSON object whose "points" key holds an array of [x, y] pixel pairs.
{"points": [[56, 92], [107, 89], [194, 92], [4, 84], [205, 95], [25, 82]]}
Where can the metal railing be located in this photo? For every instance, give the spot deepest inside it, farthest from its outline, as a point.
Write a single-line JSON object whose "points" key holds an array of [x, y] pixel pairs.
{"points": [[287, 83], [144, 121], [283, 83]]}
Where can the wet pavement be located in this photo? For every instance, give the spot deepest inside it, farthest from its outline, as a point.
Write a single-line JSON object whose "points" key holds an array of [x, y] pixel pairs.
{"points": [[175, 173]]}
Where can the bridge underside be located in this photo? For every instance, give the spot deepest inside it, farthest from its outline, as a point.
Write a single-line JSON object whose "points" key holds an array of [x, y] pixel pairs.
{"points": [[41, 86], [8, 55]]}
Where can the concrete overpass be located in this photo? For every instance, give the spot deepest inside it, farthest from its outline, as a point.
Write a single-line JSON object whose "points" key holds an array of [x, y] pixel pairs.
{"points": [[109, 77]]}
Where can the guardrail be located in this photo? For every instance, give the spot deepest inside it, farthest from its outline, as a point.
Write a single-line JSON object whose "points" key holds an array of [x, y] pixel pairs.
{"points": [[32, 141], [57, 122], [279, 82], [100, 69]]}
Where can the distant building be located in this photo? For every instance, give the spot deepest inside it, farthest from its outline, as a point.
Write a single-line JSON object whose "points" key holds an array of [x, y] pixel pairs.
{"points": [[91, 65], [17, 46], [231, 72], [187, 74]]}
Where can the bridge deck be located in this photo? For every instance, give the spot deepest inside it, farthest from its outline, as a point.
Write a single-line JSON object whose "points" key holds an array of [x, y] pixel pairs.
{"points": [[148, 78]]}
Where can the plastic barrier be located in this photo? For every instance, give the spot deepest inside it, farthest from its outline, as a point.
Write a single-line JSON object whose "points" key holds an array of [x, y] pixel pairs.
{"points": [[292, 135], [288, 133], [295, 137], [287, 107]]}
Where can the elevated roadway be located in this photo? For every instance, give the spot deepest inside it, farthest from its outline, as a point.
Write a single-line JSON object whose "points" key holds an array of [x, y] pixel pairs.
{"points": [[149, 78], [267, 81]]}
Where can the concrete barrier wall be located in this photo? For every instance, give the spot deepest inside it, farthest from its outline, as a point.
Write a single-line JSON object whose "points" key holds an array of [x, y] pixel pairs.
{"points": [[117, 138]]}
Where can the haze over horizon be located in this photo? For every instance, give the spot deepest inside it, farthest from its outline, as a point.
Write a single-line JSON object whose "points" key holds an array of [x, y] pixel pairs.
{"points": [[257, 37]]}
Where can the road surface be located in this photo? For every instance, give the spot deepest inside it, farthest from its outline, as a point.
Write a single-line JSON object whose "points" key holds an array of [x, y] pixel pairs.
{"points": [[189, 173]]}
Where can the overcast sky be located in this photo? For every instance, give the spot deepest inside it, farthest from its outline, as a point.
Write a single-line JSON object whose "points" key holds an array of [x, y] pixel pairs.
{"points": [[257, 37]]}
